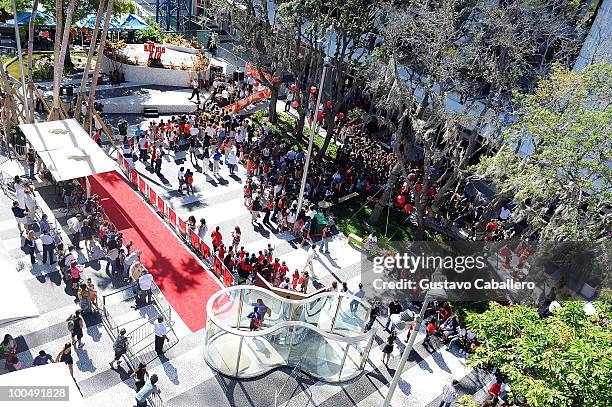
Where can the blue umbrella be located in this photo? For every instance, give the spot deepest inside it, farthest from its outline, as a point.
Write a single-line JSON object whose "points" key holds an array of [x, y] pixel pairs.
{"points": [[41, 18], [89, 22], [132, 22]]}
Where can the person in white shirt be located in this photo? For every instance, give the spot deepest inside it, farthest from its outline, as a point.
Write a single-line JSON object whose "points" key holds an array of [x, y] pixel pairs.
{"points": [[288, 101], [309, 259], [48, 244], [449, 394], [30, 203], [19, 192], [74, 229], [311, 212], [195, 86], [285, 284], [161, 332], [370, 242], [130, 259], [359, 294], [145, 282]]}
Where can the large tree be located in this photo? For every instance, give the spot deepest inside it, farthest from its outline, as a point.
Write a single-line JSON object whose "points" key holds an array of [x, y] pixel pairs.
{"points": [[448, 68], [561, 361], [262, 42], [555, 159]]}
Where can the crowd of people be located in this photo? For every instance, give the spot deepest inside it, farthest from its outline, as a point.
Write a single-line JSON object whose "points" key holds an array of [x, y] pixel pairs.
{"points": [[91, 235]]}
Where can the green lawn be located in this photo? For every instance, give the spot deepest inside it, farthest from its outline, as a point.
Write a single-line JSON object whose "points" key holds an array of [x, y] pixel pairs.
{"points": [[13, 68], [350, 217]]}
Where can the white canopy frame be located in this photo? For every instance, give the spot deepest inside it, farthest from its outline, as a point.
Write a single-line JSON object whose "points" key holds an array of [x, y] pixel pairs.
{"points": [[66, 149]]}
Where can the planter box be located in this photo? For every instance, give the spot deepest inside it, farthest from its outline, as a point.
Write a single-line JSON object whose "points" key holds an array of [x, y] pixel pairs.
{"points": [[157, 76], [188, 50]]}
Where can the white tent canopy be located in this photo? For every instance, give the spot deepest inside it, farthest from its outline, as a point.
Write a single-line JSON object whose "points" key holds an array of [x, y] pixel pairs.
{"points": [[53, 375], [15, 300], [66, 149]]}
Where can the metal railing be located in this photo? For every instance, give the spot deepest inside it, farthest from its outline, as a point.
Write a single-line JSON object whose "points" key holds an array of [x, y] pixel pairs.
{"points": [[146, 330], [106, 299]]}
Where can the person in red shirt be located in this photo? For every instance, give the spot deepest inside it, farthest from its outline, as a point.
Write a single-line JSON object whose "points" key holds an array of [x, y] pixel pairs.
{"points": [[216, 238], [430, 329], [221, 251], [284, 269], [296, 278], [277, 266], [96, 137]]}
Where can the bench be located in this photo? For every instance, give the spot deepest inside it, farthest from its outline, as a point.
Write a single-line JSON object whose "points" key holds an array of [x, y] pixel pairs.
{"points": [[347, 197]]}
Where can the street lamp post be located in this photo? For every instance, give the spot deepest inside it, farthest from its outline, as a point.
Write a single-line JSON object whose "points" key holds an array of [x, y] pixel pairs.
{"points": [[326, 65], [23, 83], [418, 319]]}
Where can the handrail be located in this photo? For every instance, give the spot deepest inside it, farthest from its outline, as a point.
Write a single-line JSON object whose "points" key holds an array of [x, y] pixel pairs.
{"points": [[141, 337], [285, 324]]}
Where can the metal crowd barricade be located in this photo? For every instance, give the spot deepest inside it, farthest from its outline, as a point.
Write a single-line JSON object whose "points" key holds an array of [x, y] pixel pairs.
{"points": [[172, 217], [179, 225], [142, 187], [182, 228]]}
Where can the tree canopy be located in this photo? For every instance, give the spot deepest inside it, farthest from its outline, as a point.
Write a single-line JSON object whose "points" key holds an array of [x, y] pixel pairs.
{"points": [[555, 159], [560, 361]]}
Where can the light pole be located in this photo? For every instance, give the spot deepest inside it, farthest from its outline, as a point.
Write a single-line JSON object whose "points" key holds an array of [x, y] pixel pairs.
{"points": [[418, 320], [23, 84], [326, 65]]}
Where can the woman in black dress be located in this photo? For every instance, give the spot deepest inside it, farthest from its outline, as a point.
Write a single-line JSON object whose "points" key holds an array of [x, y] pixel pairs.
{"points": [[388, 349], [87, 235], [65, 356]]}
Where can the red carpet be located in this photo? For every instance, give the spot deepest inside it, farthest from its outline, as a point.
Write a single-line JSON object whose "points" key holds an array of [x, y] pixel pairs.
{"points": [[183, 280]]}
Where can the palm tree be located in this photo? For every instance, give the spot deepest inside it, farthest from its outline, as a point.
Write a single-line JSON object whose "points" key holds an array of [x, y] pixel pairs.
{"points": [[59, 53], [96, 72], [30, 88], [92, 46]]}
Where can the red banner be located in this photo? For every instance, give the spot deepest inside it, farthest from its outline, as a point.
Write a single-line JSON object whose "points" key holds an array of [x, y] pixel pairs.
{"points": [[217, 266], [152, 196], [172, 217], [126, 167], [249, 100], [205, 250], [142, 186], [195, 240], [182, 227], [161, 205], [228, 279], [134, 177]]}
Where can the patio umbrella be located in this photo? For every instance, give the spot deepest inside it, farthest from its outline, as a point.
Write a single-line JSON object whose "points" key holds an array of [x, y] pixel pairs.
{"points": [[90, 20], [132, 22], [41, 18]]}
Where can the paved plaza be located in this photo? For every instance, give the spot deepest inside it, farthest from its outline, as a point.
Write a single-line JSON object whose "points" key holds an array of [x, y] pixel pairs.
{"points": [[185, 378]]}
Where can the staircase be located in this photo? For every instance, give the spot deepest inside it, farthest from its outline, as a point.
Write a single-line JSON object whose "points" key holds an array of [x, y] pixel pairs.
{"points": [[151, 112]]}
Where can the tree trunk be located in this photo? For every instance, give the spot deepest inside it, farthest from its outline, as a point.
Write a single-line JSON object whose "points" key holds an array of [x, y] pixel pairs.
{"points": [[386, 195], [68, 64], [298, 132], [275, 89], [92, 47], [58, 63], [30, 87], [96, 72], [328, 137]]}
